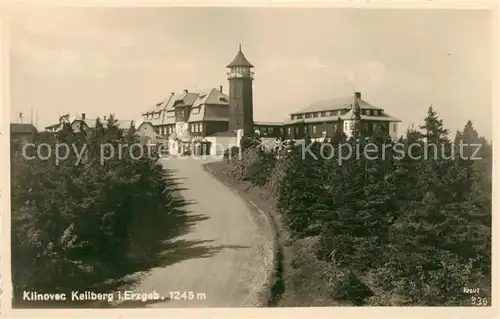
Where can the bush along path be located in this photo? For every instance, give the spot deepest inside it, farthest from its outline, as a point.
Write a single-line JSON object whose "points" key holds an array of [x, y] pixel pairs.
{"points": [[387, 231], [81, 224]]}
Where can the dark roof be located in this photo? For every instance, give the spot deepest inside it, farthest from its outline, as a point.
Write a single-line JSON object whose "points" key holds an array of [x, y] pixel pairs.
{"points": [[240, 60], [21, 128], [334, 104], [224, 134]]}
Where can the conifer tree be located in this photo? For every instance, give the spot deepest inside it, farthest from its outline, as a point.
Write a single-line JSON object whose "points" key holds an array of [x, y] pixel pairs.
{"points": [[433, 128], [357, 132]]}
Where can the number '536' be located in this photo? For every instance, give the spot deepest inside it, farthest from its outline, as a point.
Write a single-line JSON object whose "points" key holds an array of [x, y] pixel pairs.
{"points": [[478, 301]]}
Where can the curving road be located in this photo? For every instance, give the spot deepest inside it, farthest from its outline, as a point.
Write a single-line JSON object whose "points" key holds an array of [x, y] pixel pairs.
{"points": [[226, 254]]}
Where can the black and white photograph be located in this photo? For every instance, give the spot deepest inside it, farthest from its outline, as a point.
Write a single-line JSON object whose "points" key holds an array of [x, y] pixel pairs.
{"points": [[248, 157]]}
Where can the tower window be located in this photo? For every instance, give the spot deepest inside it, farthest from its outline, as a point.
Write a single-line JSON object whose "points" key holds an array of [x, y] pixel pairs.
{"points": [[237, 105]]}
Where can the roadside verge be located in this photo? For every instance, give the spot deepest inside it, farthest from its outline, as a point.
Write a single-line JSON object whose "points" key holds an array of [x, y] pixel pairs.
{"points": [[264, 220]]}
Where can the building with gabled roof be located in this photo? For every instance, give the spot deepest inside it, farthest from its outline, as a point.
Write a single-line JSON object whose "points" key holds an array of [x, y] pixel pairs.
{"points": [[202, 113], [212, 114], [81, 121], [324, 117]]}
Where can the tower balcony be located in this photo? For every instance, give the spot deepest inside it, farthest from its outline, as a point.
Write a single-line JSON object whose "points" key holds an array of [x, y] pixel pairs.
{"points": [[240, 75]]}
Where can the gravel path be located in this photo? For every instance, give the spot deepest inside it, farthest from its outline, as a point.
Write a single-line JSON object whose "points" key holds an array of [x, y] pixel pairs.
{"points": [[226, 255]]}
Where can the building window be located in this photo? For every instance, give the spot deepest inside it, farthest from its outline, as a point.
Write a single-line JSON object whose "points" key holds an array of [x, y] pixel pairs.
{"points": [[296, 130], [314, 129], [237, 105], [345, 126], [315, 114], [324, 114], [308, 115], [200, 127], [289, 130]]}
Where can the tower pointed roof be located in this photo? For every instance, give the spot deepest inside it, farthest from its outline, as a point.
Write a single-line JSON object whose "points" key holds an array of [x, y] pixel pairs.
{"points": [[240, 60]]}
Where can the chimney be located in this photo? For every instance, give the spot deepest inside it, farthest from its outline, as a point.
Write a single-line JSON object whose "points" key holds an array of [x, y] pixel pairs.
{"points": [[172, 93], [185, 91], [83, 116], [221, 89], [358, 95]]}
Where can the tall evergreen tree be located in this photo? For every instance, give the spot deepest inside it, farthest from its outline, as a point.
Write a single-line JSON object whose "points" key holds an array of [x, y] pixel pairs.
{"points": [[433, 128]]}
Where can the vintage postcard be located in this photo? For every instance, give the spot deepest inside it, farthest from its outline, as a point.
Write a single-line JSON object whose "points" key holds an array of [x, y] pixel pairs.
{"points": [[253, 160]]}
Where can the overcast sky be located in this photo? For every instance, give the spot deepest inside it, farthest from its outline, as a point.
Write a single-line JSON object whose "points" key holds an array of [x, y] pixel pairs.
{"points": [[124, 60]]}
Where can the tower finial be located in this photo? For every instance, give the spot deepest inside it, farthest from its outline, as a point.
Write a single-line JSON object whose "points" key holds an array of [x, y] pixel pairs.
{"points": [[240, 46]]}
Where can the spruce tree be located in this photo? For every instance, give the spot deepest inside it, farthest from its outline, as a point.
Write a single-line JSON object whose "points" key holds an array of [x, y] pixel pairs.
{"points": [[433, 128]]}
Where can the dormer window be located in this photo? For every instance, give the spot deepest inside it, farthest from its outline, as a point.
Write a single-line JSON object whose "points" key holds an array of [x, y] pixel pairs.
{"points": [[223, 99], [201, 96]]}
